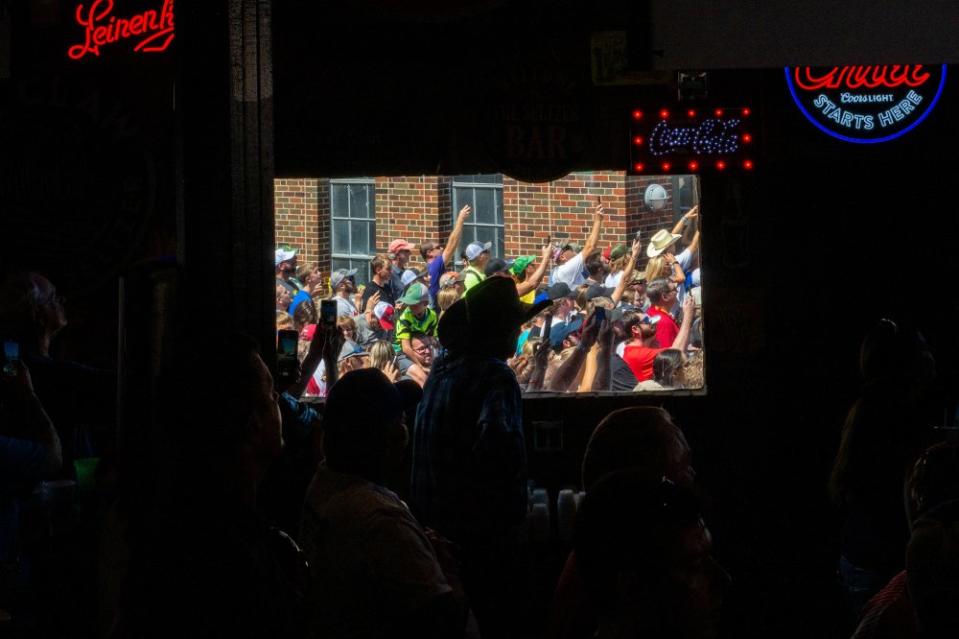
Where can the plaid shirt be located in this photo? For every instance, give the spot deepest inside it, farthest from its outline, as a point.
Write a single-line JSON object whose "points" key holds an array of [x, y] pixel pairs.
{"points": [[469, 452]]}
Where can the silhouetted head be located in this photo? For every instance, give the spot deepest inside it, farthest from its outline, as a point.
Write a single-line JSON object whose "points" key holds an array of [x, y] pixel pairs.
{"points": [[31, 310]]}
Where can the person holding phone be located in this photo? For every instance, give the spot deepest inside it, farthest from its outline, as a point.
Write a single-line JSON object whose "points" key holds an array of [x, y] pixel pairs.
{"points": [[437, 256], [527, 276], [572, 258]]}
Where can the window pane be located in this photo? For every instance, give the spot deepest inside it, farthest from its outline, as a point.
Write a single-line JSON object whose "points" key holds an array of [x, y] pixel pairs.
{"points": [[359, 201], [498, 246], [360, 238], [339, 202], [485, 234], [498, 199], [362, 271], [341, 236], [485, 209], [339, 262]]}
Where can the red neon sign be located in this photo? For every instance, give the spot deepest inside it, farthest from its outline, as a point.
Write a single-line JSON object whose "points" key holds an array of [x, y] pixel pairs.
{"points": [[153, 28], [869, 77]]}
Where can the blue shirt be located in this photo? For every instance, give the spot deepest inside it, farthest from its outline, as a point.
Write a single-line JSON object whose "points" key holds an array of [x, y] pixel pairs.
{"points": [[469, 451], [436, 268]]}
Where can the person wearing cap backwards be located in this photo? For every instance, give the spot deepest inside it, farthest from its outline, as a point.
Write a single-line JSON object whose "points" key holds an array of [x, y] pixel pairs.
{"points": [[641, 329], [285, 262], [617, 262], [437, 256], [376, 571], [571, 259], [527, 276], [399, 254], [341, 281], [469, 452], [374, 324], [476, 256], [417, 317]]}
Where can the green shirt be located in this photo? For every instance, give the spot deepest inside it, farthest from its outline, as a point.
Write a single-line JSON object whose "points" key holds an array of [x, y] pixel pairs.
{"points": [[472, 277], [409, 325]]}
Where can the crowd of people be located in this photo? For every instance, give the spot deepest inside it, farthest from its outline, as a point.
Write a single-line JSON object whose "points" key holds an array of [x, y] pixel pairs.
{"points": [[613, 318], [400, 504]]}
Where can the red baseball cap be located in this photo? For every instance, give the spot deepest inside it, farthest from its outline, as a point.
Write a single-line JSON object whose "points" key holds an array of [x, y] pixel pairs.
{"points": [[400, 245]]}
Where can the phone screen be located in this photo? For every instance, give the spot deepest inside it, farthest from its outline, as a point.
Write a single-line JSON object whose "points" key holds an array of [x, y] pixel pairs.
{"points": [[287, 343], [328, 312], [599, 313], [11, 350]]}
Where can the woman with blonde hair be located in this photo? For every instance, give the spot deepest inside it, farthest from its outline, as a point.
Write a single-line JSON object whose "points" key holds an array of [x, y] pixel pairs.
{"points": [[446, 298], [382, 357]]}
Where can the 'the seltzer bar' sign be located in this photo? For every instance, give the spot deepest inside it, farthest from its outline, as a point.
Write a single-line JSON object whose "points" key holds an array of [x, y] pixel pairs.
{"points": [[150, 31], [866, 104]]}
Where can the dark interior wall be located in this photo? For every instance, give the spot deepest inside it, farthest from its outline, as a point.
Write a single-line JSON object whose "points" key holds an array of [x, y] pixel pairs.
{"points": [[799, 258], [86, 166]]}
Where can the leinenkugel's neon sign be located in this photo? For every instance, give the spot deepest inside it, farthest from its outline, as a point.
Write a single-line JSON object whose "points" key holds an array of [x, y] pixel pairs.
{"points": [[152, 30], [866, 104]]}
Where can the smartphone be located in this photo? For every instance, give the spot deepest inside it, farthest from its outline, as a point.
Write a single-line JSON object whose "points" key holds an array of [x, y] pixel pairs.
{"points": [[547, 327], [286, 360], [11, 355], [328, 313], [599, 313]]}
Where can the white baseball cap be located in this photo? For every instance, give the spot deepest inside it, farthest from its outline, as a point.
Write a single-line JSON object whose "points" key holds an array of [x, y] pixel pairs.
{"points": [[475, 249], [282, 255]]}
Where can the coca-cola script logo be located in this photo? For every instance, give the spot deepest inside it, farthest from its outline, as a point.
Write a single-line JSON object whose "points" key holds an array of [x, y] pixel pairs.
{"points": [[690, 140], [866, 104], [151, 31]]}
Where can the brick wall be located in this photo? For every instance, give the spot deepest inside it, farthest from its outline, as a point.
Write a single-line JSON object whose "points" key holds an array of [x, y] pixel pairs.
{"points": [[418, 209], [562, 209]]}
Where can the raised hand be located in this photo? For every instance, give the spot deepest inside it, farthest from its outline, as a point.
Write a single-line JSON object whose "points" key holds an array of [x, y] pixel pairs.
{"points": [[391, 371], [692, 213], [371, 302], [465, 213]]}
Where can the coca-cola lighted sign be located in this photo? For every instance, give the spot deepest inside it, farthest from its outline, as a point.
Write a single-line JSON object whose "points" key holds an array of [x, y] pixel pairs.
{"points": [[691, 140], [866, 104]]}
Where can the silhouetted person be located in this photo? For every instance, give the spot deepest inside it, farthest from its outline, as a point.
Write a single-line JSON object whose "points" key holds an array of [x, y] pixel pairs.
{"points": [[934, 481], [644, 553], [884, 433], [469, 452], [932, 571], [643, 438], [375, 571], [206, 564], [79, 399]]}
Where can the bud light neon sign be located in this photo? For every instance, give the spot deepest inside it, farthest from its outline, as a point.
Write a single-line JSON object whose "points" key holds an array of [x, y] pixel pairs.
{"points": [[866, 104]]}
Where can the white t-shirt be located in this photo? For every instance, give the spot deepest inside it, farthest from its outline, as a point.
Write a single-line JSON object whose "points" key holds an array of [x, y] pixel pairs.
{"points": [[685, 260], [371, 561], [345, 308], [570, 273], [613, 280]]}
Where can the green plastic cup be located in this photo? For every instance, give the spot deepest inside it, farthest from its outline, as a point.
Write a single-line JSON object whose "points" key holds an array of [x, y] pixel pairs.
{"points": [[86, 470]]}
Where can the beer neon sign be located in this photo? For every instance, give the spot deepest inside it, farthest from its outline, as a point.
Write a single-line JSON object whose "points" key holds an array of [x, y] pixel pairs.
{"points": [[690, 140], [866, 104], [151, 30]]}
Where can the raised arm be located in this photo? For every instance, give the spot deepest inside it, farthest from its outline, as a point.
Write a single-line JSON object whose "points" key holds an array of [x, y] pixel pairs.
{"points": [[593, 239], [531, 283], [627, 272], [677, 275], [38, 454], [326, 346], [682, 337], [449, 253], [691, 214]]}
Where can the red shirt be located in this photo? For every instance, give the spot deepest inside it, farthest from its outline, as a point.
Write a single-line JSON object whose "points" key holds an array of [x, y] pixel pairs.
{"points": [[640, 360], [666, 329]]}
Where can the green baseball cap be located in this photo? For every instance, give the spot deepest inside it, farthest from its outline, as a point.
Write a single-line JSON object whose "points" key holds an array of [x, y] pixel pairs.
{"points": [[520, 264], [617, 252], [415, 294]]}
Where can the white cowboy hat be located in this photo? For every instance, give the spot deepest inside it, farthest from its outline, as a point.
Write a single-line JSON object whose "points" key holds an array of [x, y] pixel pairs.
{"points": [[660, 242]]}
